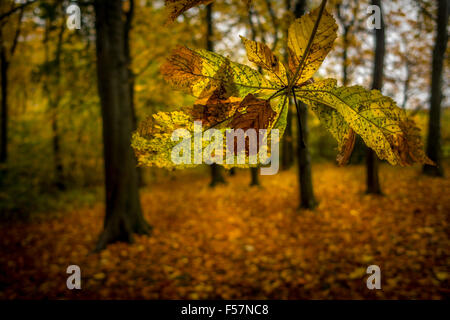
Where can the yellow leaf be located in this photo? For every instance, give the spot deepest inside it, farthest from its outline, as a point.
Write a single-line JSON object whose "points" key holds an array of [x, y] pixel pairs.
{"points": [[299, 34], [261, 54], [382, 125]]}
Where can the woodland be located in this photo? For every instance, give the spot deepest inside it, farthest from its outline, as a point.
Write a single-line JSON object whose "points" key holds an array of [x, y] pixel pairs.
{"points": [[92, 92]]}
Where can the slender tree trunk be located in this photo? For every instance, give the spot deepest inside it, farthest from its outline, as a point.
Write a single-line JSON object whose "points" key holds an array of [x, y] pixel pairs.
{"points": [[287, 152], [131, 76], [216, 171], [254, 176], [345, 57], [123, 215], [373, 182], [434, 148], [59, 169], [307, 198], [4, 65], [4, 117]]}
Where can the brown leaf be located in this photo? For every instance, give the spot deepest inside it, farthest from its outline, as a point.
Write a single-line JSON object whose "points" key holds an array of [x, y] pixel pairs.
{"points": [[409, 146], [177, 7], [253, 113], [346, 148], [215, 109]]}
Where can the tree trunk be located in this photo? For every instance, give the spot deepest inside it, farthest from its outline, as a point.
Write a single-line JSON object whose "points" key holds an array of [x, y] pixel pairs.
{"points": [[254, 176], [4, 118], [434, 148], [372, 181], [287, 154], [307, 199], [287, 151], [345, 57], [131, 76], [216, 171], [4, 65], [59, 170], [123, 215]]}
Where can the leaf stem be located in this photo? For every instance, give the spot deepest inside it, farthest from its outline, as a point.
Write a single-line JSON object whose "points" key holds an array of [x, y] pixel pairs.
{"points": [[308, 47]]}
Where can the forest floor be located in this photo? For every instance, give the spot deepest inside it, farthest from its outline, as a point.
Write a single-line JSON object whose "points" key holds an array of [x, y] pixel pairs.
{"points": [[237, 242]]}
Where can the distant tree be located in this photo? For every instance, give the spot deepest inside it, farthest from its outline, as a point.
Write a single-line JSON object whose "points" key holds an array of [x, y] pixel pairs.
{"points": [[287, 151], [6, 54], [307, 198], [372, 177], [129, 15], [216, 171], [123, 210], [434, 148], [52, 82]]}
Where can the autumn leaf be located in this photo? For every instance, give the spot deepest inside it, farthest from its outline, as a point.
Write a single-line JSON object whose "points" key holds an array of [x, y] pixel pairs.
{"points": [[200, 72], [178, 7], [339, 129], [298, 38], [215, 109], [253, 113], [261, 55], [382, 125]]}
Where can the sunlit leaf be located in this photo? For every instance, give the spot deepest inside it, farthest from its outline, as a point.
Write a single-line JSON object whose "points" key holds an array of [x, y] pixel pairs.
{"points": [[334, 122], [200, 72], [299, 34], [383, 126], [261, 55]]}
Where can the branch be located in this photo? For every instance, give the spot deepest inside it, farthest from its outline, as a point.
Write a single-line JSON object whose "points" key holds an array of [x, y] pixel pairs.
{"points": [[274, 24], [17, 34], [20, 7]]}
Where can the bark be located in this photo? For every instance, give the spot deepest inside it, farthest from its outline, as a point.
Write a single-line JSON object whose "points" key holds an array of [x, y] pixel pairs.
{"points": [[131, 76], [4, 65], [54, 103], [4, 118], [123, 216], [216, 171], [372, 181], [307, 198], [434, 147], [254, 176], [287, 151]]}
